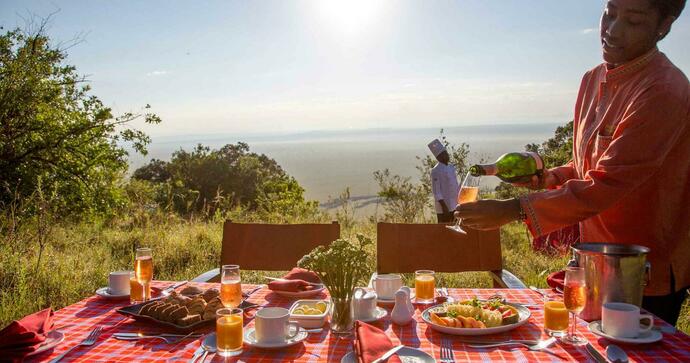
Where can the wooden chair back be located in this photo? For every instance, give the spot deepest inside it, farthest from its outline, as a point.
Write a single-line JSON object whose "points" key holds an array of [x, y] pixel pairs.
{"points": [[273, 247], [409, 247]]}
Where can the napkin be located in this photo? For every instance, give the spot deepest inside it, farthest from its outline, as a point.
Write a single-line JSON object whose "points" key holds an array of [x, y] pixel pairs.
{"points": [[371, 343], [556, 279], [298, 279], [25, 336], [302, 274]]}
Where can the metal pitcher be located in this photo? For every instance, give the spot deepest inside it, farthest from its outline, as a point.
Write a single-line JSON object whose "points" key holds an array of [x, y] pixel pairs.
{"points": [[613, 273]]}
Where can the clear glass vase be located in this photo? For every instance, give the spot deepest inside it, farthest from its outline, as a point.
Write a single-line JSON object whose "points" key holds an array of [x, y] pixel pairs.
{"points": [[342, 318]]}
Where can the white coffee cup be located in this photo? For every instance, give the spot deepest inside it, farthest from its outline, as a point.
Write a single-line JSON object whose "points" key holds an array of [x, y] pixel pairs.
{"points": [[622, 320], [387, 285], [118, 283], [273, 325], [363, 303]]}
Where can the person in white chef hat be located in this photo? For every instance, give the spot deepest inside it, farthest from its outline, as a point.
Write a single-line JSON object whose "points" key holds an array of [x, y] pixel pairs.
{"points": [[444, 183]]}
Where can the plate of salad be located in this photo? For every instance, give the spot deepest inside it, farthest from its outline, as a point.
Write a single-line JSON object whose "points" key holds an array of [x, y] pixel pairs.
{"points": [[476, 317]]}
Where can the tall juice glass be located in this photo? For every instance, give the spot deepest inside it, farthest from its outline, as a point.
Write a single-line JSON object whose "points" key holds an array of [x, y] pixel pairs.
{"points": [[143, 268], [424, 285], [574, 297], [229, 332], [230, 286], [136, 290]]}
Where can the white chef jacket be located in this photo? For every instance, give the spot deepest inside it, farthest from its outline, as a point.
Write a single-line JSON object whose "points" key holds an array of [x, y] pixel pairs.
{"points": [[444, 185]]}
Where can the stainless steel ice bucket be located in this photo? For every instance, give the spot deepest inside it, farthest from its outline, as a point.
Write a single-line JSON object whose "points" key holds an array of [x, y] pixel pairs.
{"points": [[613, 272]]}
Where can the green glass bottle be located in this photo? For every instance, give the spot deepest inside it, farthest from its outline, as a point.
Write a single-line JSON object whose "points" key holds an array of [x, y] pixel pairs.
{"points": [[516, 167]]}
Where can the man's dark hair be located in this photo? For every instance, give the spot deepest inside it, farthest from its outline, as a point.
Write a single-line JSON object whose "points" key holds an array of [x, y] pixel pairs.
{"points": [[668, 8]]}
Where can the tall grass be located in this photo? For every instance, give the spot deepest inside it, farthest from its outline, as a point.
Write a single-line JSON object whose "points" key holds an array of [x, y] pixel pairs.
{"points": [[78, 257]]}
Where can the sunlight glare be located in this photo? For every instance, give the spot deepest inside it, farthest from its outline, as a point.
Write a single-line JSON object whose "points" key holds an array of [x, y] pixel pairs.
{"points": [[349, 16]]}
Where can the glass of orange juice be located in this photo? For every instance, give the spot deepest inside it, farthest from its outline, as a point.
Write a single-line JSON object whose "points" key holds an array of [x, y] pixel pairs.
{"points": [[555, 318], [230, 286], [136, 290], [424, 285], [229, 332]]}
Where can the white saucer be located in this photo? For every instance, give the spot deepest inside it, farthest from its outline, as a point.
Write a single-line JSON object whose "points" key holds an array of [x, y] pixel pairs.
{"points": [[406, 355], [378, 315], [250, 339], [104, 292], [53, 338], [392, 301], [644, 338], [300, 294]]}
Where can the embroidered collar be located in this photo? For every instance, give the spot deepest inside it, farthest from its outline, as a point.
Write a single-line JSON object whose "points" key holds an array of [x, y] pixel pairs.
{"points": [[632, 66]]}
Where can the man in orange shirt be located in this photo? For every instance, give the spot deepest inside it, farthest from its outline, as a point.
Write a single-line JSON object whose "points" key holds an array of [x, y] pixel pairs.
{"points": [[629, 178]]}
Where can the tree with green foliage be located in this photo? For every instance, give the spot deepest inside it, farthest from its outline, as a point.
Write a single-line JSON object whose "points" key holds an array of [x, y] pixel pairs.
{"points": [[555, 151], [404, 201], [282, 200], [52, 129], [207, 181]]}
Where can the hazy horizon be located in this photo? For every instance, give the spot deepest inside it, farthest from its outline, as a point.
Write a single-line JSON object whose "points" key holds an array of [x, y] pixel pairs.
{"points": [[325, 163]]}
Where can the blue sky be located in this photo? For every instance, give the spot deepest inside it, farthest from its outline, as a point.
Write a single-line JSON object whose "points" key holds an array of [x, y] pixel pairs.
{"points": [[251, 67]]}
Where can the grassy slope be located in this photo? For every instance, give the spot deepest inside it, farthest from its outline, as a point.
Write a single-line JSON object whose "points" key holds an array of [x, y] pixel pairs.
{"points": [[79, 257]]}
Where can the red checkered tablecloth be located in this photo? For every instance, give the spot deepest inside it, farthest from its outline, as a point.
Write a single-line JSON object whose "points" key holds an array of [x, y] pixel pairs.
{"points": [[80, 318]]}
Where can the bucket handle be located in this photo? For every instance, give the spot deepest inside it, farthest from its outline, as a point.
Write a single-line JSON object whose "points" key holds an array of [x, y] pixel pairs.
{"points": [[647, 273]]}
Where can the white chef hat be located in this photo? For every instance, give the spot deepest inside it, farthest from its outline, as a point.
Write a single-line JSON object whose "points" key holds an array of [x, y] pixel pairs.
{"points": [[436, 147]]}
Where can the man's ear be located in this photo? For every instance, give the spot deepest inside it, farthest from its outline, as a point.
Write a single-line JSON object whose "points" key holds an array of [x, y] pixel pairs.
{"points": [[665, 27]]}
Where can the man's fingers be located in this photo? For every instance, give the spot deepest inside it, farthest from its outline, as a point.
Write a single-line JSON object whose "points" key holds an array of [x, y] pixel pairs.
{"points": [[467, 206], [469, 221], [464, 213], [536, 183]]}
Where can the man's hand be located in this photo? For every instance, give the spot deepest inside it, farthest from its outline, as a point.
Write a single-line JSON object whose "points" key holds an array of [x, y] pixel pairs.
{"points": [[488, 214], [547, 180]]}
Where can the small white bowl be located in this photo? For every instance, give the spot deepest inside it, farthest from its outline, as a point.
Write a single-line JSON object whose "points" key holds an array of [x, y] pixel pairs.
{"points": [[309, 321]]}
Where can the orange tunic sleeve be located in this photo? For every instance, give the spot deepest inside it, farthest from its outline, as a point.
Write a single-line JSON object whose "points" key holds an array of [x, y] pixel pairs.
{"points": [[649, 128]]}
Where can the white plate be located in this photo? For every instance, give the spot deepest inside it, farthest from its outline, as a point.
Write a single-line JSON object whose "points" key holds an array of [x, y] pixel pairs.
{"points": [[406, 355], [378, 315], [300, 294], [52, 339], [524, 315], [644, 338], [104, 293], [250, 339]]}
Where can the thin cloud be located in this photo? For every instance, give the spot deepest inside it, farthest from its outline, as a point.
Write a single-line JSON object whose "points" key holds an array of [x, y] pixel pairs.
{"points": [[589, 30], [156, 73]]}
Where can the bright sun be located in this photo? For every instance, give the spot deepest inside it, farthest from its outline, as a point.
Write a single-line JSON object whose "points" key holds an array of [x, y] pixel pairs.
{"points": [[349, 16]]}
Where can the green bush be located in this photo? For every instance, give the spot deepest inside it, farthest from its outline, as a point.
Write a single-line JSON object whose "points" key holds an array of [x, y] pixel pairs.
{"points": [[204, 181]]}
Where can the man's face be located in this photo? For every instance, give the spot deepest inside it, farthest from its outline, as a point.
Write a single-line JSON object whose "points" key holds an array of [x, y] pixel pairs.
{"points": [[443, 157], [628, 29]]}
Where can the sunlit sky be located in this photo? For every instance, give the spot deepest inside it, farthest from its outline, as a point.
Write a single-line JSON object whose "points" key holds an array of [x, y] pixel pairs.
{"points": [[250, 67]]}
